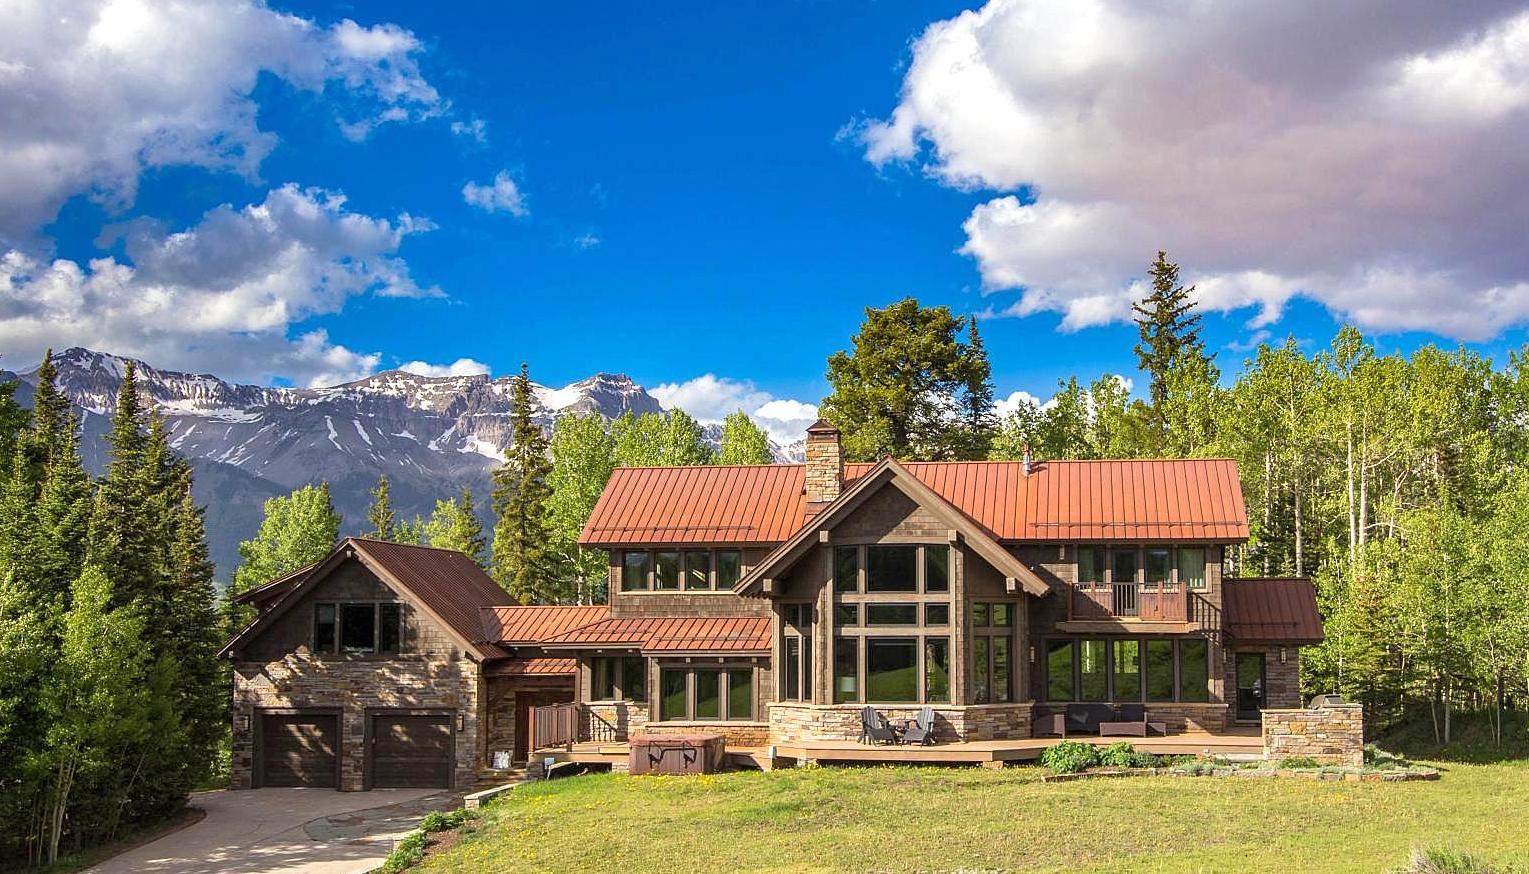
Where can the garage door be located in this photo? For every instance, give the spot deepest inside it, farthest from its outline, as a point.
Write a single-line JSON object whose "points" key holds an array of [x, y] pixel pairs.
{"points": [[411, 752], [299, 750]]}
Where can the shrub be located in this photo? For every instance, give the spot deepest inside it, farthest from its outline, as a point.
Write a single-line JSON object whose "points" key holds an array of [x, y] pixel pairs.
{"points": [[1298, 763], [409, 852], [437, 821], [1069, 757], [1120, 755], [1439, 860]]}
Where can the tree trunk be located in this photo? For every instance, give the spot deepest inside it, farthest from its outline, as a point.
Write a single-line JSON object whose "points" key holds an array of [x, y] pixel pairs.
{"points": [[1348, 482], [1268, 504], [1300, 550]]}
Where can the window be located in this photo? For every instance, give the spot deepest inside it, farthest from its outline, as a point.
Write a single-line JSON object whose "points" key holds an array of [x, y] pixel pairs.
{"points": [[729, 568], [358, 628], [982, 615], [706, 694], [992, 615], [891, 568], [389, 627], [1091, 670], [698, 570], [1194, 670], [990, 652], [1192, 567], [1059, 664], [796, 652], [846, 615], [666, 570], [634, 571], [324, 623], [846, 669], [891, 614], [1124, 566], [891, 669], [618, 678], [936, 669], [982, 670], [936, 614], [1125, 669], [936, 568], [1157, 566], [791, 653], [1003, 615], [846, 569], [1159, 670], [1090, 565]]}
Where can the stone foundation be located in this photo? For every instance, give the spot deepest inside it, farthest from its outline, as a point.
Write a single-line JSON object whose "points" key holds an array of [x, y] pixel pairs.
{"points": [[1332, 735], [1183, 716], [793, 722]]}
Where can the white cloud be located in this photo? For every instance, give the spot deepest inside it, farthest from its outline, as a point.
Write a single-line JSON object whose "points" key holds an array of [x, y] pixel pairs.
{"points": [[1014, 401], [710, 398], [220, 295], [501, 195], [1276, 148], [93, 92], [474, 129], [586, 241], [459, 367]]}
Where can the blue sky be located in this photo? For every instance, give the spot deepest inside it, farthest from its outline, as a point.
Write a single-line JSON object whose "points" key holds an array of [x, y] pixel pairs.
{"points": [[720, 189]]}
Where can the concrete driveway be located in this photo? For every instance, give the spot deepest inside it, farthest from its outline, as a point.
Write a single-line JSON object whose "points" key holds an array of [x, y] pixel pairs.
{"points": [[305, 830]]}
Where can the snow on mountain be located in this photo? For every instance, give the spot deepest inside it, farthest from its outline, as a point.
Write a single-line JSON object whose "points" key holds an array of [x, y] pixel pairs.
{"points": [[431, 436]]}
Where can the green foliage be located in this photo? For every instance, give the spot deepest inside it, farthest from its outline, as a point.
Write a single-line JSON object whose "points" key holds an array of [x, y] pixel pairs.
{"points": [[409, 852], [583, 456], [1297, 763], [455, 525], [1443, 860], [672, 439], [440, 821], [911, 388], [524, 563], [297, 530], [381, 523], [743, 442], [1070, 757], [1119, 755]]}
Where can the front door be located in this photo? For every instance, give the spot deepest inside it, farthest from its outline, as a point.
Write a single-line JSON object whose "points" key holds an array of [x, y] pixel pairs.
{"points": [[525, 699], [1250, 685]]}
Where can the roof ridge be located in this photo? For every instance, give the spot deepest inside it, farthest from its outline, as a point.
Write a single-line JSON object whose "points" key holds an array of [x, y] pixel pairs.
{"points": [[409, 545]]}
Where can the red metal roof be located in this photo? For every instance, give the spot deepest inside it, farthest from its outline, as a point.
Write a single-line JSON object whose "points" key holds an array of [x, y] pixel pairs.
{"points": [[1132, 500], [533, 624], [1271, 610], [536, 666], [706, 504], [673, 634], [448, 582]]}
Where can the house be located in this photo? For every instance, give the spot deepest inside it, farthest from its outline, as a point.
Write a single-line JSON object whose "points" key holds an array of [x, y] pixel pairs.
{"points": [[770, 603]]}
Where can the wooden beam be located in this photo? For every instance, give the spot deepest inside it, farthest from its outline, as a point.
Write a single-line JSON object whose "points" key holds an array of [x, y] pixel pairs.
{"points": [[953, 536], [1011, 585], [823, 535], [769, 585]]}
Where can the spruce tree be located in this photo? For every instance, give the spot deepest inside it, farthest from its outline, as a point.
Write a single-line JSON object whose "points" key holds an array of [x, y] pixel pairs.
{"points": [[121, 534], [192, 637], [981, 415], [13, 418], [379, 516], [1168, 325], [522, 528], [50, 408], [63, 519]]}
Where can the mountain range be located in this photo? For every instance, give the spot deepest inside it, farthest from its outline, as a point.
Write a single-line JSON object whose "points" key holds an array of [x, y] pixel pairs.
{"points": [[430, 436]]}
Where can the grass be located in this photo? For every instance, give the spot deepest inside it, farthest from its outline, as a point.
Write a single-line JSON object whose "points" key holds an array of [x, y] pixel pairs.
{"points": [[920, 819]]}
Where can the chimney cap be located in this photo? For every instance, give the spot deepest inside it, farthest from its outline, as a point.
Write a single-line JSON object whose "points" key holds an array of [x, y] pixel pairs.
{"points": [[822, 426]]}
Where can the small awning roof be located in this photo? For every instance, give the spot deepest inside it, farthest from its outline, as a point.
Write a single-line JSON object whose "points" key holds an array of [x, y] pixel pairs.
{"points": [[704, 635], [1271, 610], [523, 625], [536, 666]]}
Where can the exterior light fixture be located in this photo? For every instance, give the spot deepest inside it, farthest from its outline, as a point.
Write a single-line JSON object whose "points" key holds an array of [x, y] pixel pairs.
{"points": [[461, 721], [1281, 655], [244, 722]]}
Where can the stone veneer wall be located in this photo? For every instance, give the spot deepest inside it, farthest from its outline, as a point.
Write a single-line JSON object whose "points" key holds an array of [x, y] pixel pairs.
{"points": [[625, 717], [1332, 735], [735, 734], [357, 686], [794, 722]]}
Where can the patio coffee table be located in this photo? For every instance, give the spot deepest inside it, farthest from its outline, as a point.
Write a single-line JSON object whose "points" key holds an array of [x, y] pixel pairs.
{"points": [[1132, 729]]}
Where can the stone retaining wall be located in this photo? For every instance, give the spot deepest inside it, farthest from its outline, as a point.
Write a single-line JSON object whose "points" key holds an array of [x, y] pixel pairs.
{"points": [[792, 722], [1332, 735]]}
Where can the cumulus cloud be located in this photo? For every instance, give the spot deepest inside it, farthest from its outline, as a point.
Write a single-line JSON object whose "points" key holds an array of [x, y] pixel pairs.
{"points": [[501, 195], [459, 367], [1015, 400], [1276, 148], [93, 92], [710, 398], [220, 295]]}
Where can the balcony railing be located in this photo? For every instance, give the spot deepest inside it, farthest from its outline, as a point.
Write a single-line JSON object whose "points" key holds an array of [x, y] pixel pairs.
{"points": [[1158, 602]]}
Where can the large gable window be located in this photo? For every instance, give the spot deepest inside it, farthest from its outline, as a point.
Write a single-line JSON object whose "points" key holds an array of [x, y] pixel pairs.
{"points": [[672, 570], [891, 568], [358, 628]]}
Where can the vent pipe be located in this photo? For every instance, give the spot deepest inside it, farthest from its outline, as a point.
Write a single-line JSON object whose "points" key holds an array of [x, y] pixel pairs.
{"points": [[1029, 460]]}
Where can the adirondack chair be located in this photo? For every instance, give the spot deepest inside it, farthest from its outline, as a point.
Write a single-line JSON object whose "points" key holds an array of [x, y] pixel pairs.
{"points": [[874, 728], [921, 732]]}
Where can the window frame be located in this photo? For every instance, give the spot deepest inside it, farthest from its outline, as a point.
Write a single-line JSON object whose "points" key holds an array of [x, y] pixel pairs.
{"points": [[337, 647], [725, 690], [714, 581], [1145, 677], [623, 687]]}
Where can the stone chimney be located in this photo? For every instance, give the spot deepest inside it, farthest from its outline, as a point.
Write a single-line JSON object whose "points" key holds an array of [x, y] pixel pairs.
{"points": [[825, 462]]}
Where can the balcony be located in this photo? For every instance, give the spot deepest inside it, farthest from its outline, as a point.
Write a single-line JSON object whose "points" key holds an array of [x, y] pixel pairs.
{"points": [[1149, 602]]}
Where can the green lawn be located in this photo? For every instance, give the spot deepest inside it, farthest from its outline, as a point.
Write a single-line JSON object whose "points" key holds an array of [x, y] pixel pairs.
{"points": [[922, 819]]}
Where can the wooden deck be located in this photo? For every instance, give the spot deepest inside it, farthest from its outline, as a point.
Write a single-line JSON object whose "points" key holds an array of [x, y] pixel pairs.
{"points": [[1234, 742]]}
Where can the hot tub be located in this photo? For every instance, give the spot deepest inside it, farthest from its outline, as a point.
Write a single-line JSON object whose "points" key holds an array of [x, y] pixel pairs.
{"points": [[676, 754]]}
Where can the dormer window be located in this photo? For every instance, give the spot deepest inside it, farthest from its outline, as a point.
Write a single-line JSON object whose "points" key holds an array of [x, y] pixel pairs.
{"points": [[675, 570], [359, 628]]}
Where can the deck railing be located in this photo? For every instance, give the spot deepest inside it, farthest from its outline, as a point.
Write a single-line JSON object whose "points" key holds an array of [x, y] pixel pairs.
{"points": [[555, 725], [1166, 602]]}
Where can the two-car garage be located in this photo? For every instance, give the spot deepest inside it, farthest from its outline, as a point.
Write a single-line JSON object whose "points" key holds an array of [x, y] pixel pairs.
{"points": [[404, 749]]}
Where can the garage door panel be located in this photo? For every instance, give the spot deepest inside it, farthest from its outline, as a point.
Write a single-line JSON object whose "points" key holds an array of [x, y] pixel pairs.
{"points": [[410, 752], [299, 750]]}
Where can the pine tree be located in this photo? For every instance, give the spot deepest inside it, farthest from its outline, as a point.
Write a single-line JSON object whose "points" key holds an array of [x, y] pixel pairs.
{"points": [[380, 514], [50, 408], [522, 530], [62, 520], [121, 534], [743, 442], [13, 418], [1168, 325], [192, 638], [981, 415]]}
